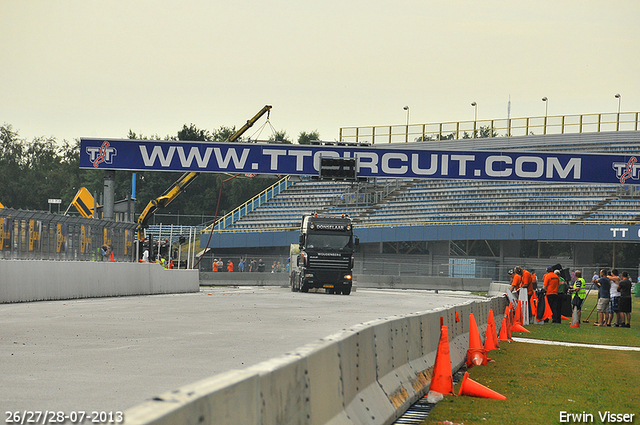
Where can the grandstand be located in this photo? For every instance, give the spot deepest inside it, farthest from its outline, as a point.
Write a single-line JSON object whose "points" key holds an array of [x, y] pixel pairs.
{"points": [[439, 211], [422, 201]]}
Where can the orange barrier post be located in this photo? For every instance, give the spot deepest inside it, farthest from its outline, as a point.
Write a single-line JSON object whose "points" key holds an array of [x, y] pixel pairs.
{"points": [[471, 388], [442, 379], [510, 320]]}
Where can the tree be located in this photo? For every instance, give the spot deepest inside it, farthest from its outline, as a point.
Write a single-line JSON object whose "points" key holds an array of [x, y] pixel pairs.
{"points": [[305, 138], [280, 136], [192, 133], [223, 134], [10, 168], [483, 132]]}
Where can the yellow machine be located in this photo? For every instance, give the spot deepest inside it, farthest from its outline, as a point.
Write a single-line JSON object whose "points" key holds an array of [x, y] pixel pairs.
{"points": [[187, 178]]}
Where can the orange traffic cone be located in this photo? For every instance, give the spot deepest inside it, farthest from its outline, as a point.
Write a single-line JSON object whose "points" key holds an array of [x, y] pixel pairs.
{"points": [[517, 327], [491, 339], [503, 330], [575, 318], [442, 379], [548, 314], [534, 302], [564, 317], [476, 354], [518, 318], [471, 388]]}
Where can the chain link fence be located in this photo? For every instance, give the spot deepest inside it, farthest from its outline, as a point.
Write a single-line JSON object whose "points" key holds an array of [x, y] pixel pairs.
{"points": [[37, 235]]}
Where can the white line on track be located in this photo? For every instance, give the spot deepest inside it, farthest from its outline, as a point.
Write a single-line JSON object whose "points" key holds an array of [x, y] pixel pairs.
{"points": [[574, 344]]}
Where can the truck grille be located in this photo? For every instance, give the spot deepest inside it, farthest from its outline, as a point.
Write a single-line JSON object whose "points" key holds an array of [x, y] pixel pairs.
{"points": [[335, 263]]}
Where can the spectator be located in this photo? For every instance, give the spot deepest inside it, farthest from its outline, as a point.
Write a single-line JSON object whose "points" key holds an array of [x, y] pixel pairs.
{"points": [[550, 285], [624, 287], [526, 281], [241, 265], [104, 252], [229, 266], [215, 265], [516, 280], [261, 266], [145, 255], [220, 265], [614, 298], [579, 293], [604, 289]]}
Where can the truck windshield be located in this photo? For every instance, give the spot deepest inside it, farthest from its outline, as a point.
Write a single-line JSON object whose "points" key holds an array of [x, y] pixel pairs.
{"points": [[328, 241]]}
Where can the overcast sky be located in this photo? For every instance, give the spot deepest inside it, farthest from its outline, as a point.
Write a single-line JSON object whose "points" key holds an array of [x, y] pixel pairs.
{"points": [[72, 69]]}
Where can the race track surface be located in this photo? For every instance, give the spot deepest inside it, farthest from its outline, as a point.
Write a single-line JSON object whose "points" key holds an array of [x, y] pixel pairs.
{"points": [[109, 354]]}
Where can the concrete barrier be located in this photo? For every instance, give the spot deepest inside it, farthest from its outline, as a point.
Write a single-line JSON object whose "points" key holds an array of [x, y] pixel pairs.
{"points": [[497, 288], [366, 375], [244, 279], [361, 281], [424, 282], [27, 280]]}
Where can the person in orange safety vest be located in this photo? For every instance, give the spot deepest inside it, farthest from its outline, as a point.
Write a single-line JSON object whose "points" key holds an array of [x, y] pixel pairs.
{"points": [[551, 282], [526, 282]]}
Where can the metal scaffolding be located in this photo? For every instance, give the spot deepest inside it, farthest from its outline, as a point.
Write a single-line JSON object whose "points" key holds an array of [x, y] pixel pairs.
{"points": [[37, 235]]}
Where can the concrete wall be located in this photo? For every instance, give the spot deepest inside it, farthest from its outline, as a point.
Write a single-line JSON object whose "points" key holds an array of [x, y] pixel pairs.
{"points": [[361, 281], [424, 282], [25, 280], [367, 375]]}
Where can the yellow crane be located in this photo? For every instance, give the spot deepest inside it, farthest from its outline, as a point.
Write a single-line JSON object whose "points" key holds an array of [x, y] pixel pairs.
{"points": [[186, 179]]}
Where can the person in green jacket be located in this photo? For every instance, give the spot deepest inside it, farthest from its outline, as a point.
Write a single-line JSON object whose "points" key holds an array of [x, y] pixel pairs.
{"points": [[579, 293]]}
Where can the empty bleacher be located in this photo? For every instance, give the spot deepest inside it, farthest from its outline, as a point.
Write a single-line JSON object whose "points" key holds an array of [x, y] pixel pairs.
{"points": [[393, 202]]}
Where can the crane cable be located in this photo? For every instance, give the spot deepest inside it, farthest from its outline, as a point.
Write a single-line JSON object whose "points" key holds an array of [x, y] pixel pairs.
{"points": [[213, 226], [261, 128]]}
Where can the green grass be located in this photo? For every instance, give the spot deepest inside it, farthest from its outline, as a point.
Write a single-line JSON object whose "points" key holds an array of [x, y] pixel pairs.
{"points": [[587, 333], [540, 381]]}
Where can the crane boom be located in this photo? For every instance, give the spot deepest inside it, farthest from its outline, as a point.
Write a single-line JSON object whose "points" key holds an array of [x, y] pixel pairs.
{"points": [[186, 179]]}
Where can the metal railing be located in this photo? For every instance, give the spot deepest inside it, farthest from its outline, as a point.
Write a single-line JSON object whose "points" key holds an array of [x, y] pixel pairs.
{"points": [[253, 203], [557, 124], [408, 223], [37, 235]]}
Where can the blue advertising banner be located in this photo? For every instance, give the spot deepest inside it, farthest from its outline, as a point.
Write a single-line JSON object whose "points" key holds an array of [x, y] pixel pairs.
{"points": [[372, 161]]}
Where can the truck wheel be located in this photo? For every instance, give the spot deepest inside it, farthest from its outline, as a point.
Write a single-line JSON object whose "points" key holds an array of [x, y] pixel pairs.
{"points": [[304, 288], [346, 290]]}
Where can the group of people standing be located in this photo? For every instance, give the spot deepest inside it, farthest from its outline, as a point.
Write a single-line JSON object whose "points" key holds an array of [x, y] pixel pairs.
{"points": [[244, 265], [555, 286], [614, 298], [614, 294]]}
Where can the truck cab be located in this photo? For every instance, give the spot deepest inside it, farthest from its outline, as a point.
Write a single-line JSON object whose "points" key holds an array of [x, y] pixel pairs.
{"points": [[323, 256]]}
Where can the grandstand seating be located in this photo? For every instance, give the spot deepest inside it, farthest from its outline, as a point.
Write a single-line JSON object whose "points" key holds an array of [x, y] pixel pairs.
{"points": [[408, 202]]}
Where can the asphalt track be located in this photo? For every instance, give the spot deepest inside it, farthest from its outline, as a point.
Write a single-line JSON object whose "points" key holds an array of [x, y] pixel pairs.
{"points": [[109, 354]]}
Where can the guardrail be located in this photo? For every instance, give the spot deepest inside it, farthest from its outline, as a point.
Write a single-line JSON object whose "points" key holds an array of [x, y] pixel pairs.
{"points": [[556, 124], [369, 374]]}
